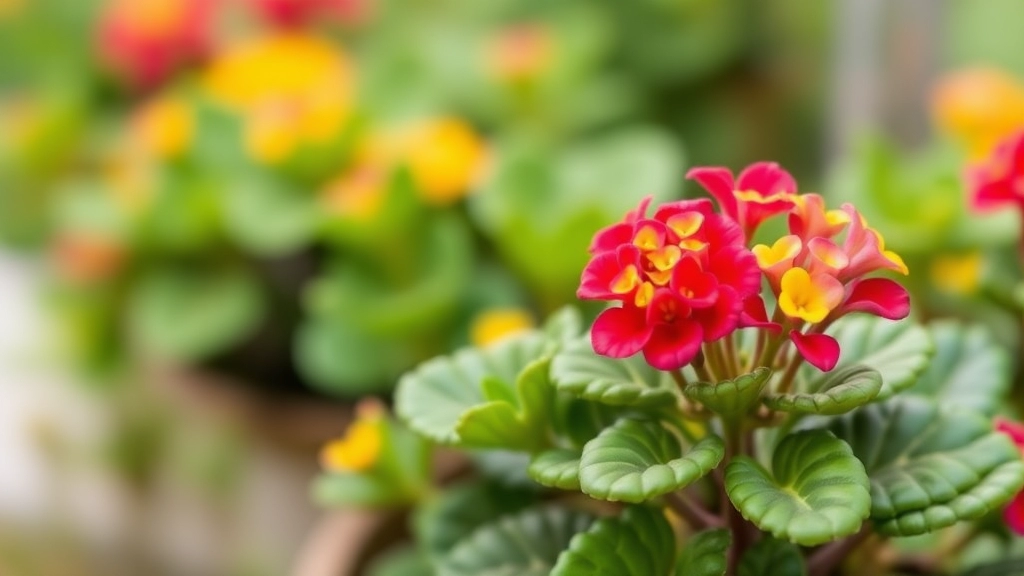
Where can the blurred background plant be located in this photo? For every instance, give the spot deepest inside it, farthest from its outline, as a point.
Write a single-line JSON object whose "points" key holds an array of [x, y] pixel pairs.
{"points": [[305, 198]]}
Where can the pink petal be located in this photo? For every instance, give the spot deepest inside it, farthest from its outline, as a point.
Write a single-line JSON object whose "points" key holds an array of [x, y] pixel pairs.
{"points": [[612, 237], [767, 178], [673, 346], [820, 350], [696, 287], [722, 318], [754, 315], [1015, 430], [723, 231], [736, 267], [639, 212], [879, 296], [719, 183], [670, 209], [1014, 514], [620, 332], [597, 277]]}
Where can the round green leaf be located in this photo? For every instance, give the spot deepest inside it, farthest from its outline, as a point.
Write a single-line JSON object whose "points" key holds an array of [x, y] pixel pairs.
{"points": [[704, 554], [640, 542], [969, 370], [557, 468], [402, 561], [900, 351], [930, 466], [842, 390], [817, 490], [437, 397], [189, 315], [526, 544], [636, 460], [580, 371], [268, 216], [730, 398], [345, 489], [772, 557], [513, 420], [340, 359]]}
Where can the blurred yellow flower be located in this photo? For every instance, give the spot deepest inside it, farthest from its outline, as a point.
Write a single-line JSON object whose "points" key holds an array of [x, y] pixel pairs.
{"points": [[445, 157], [164, 127], [291, 89], [520, 53], [979, 106], [958, 273], [495, 324], [359, 449], [152, 17]]}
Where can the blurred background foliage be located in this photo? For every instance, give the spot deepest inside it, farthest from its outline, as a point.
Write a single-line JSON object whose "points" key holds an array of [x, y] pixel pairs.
{"points": [[308, 197]]}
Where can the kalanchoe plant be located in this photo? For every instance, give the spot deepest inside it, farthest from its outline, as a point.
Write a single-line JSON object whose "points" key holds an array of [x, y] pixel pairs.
{"points": [[711, 437]]}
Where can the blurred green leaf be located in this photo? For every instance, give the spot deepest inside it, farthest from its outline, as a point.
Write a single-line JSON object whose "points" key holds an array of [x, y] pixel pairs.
{"points": [[579, 371], [403, 561], [816, 492], [341, 359], [268, 217], [704, 554], [899, 351], [191, 314], [772, 557], [556, 468]]}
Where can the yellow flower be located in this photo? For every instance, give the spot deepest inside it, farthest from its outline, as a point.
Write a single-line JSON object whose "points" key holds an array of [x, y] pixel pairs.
{"points": [[164, 126], [445, 157], [291, 89], [496, 324], [359, 449], [809, 297], [958, 273], [785, 248], [980, 107]]}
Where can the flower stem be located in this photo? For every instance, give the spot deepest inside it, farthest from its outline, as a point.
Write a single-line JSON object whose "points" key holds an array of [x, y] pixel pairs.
{"points": [[735, 521], [695, 515], [701, 369], [680, 378], [731, 358], [787, 378]]}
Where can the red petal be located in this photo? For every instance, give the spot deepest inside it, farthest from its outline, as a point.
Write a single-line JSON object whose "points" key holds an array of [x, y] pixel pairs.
{"points": [[1014, 514], [722, 318], [666, 211], [820, 350], [696, 287], [767, 178], [597, 277], [620, 332], [754, 315], [1014, 430], [611, 237], [736, 267], [639, 212], [719, 183], [879, 296], [673, 346]]}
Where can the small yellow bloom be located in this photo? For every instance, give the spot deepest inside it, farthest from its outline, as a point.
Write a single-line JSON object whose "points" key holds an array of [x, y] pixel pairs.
{"points": [[359, 193], [359, 449], [809, 298], [164, 126], [153, 18], [958, 273], [785, 248], [980, 107], [446, 157], [496, 324]]}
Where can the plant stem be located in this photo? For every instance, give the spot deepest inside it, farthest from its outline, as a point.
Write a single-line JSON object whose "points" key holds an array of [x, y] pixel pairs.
{"points": [[733, 448], [695, 515], [731, 357], [701, 369], [787, 378], [826, 558], [680, 378]]}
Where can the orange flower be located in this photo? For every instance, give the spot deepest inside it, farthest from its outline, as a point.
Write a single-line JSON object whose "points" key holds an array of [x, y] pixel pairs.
{"points": [[980, 107]]}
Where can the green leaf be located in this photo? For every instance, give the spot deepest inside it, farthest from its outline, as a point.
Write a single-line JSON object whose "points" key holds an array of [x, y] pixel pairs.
{"points": [[640, 542], [526, 544], [403, 561], [840, 391], [269, 217], [557, 468], [817, 490], [1004, 567], [440, 523], [772, 557], [731, 398], [336, 489], [340, 359], [191, 314], [900, 351], [704, 554], [580, 371], [636, 460], [443, 398], [930, 466], [564, 324], [969, 370]]}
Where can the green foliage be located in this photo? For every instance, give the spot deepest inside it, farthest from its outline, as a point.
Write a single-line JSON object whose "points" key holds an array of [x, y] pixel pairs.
{"points": [[498, 397], [580, 371], [636, 460], [816, 492], [404, 561], [899, 351], [772, 557], [525, 544], [930, 465], [731, 399], [969, 370], [704, 554], [839, 391], [640, 542], [268, 216], [556, 468], [189, 315]]}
